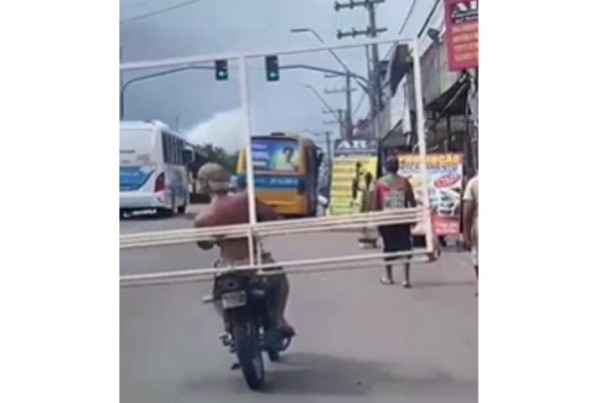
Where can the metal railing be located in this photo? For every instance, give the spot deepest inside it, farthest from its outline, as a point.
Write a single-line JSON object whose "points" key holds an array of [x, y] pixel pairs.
{"points": [[256, 232]]}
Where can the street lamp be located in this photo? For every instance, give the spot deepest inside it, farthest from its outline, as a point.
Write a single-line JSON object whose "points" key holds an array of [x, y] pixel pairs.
{"points": [[319, 38], [349, 117], [312, 31], [332, 52], [434, 34]]}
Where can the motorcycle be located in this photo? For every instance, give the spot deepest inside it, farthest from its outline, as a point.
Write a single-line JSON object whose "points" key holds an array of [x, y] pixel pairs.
{"points": [[249, 325]]}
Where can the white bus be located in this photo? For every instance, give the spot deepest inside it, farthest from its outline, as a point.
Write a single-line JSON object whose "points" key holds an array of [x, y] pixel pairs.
{"points": [[153, 168]]}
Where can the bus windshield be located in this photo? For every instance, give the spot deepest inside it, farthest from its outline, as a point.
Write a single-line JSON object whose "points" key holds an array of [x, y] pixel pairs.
{"points": [[280, 155]]}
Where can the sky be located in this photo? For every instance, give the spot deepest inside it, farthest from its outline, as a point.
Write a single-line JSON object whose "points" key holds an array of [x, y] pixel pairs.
{"points": [[208, 111]]}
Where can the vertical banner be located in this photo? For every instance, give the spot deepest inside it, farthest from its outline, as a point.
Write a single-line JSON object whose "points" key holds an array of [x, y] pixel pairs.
{"points": [[352, 160], [461, 19], [444, 183]]}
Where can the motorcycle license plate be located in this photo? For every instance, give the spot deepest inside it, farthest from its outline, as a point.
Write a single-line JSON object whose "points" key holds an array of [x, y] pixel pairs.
{"points": [[233, 299]]}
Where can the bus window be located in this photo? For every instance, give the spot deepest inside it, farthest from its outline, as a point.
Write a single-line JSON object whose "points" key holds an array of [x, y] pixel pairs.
{"points": [[166, 147], [172, 149]]}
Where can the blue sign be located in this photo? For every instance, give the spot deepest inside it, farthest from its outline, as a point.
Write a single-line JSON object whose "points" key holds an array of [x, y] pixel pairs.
{"points": [[133, 178], [277, 182], [273, 182]]}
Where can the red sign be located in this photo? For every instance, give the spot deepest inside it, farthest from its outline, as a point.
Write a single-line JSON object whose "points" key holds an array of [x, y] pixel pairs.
{"points": [[461, 17], [446, 181]]}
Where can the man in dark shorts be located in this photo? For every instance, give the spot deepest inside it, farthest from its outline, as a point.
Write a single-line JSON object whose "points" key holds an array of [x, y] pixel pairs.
{"points": [[395, 192]]}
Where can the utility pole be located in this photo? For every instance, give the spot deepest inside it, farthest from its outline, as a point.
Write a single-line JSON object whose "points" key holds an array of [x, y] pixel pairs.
{"points": [[348, 108], [340, 121], [328, 147], [371, 31]]}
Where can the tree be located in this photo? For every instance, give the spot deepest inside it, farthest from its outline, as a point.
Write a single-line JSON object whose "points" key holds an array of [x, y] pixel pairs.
{"points": [[209, 153]]}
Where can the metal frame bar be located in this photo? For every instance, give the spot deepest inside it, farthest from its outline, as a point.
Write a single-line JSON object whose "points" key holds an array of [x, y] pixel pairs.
{"points": [[359, 261], [422, 143], [263, 230], [253, 230], [250, 179]]}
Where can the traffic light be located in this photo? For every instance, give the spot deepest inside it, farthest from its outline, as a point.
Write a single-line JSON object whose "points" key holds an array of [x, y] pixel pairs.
{"points": [[272, 69], [221, 70]]}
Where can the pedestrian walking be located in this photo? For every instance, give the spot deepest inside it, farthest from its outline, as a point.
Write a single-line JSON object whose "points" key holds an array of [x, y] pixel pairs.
{"points": [[395, 192]]}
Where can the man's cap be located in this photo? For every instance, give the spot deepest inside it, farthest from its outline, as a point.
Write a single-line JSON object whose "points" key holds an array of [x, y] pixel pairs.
{"points": [[214, 175]]}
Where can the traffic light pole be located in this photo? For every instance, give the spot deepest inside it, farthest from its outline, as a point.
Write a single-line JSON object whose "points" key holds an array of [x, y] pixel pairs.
{"points": [[186, 68], [150, 76]]}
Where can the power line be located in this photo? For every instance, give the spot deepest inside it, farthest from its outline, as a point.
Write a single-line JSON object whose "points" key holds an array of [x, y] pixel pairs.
{"points": [[404, 23], [412, 6], [161, 11], [362, 98], [426, 23]]}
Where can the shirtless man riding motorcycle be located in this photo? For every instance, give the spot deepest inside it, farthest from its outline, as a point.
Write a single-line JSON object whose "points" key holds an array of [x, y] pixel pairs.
{"points": [[227, 208]]}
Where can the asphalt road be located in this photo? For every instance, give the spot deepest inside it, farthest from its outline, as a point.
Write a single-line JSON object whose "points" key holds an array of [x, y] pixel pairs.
{"points": [[358, 341]]}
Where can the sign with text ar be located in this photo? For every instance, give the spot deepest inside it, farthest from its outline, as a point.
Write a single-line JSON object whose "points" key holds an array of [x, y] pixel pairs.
{"points": [[355, 147]]}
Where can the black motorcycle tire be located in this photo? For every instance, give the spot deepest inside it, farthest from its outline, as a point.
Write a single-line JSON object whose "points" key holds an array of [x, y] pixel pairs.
{"points": [[248, 351], [274, 355]]}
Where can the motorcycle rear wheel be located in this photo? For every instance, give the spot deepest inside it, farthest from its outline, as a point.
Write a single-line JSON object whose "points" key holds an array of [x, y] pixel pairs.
{"points": [[248, 351]]}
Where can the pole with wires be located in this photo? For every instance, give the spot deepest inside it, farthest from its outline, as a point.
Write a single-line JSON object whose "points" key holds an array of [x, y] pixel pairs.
{"points": [[371, 31]]}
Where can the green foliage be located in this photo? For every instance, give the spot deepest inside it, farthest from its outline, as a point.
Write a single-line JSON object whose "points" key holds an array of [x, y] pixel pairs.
{"points": [[219, 155]]}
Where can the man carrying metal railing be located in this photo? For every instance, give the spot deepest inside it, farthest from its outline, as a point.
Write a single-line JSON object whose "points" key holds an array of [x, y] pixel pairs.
{"points": [[231, 209]]}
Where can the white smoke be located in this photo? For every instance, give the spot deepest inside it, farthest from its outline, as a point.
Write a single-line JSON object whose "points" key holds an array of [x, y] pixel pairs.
{"points": [[225, 129]]}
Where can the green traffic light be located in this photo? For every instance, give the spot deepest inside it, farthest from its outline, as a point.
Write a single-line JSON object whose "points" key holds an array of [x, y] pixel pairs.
{"points": [[272, 68], [221, 75], [221, 70]]}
